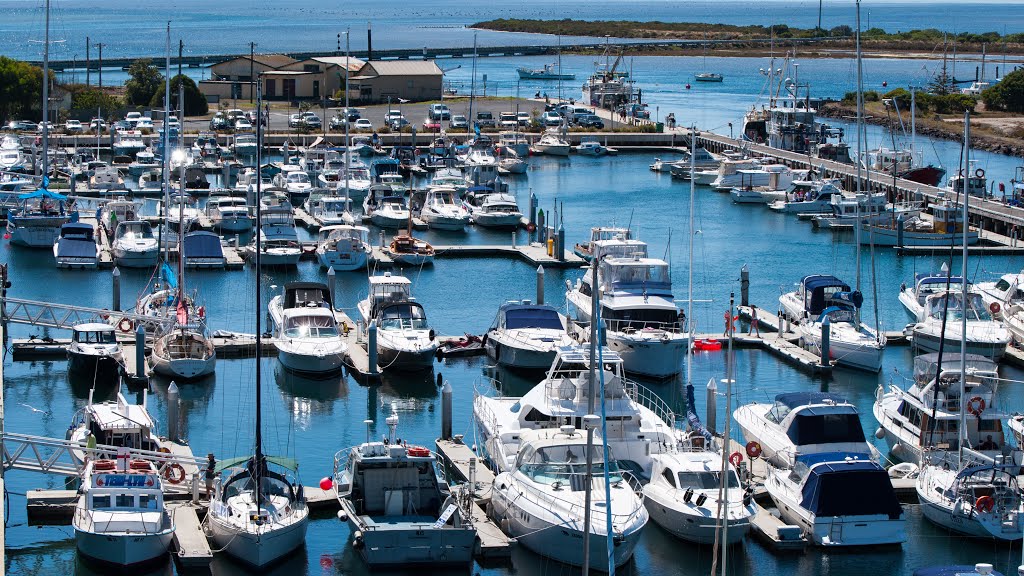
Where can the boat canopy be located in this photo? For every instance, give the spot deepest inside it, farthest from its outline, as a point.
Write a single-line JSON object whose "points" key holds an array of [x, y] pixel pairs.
{"points": [[520, 316], [289, 463], [817, 425], [312, 294], [202, 245], [76, 248], [850, 488], [818, 288], [77, 229]]}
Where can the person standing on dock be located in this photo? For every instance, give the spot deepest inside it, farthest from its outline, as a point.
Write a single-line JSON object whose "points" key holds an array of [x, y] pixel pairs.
{"points": [[754, 327], [211, 465]]}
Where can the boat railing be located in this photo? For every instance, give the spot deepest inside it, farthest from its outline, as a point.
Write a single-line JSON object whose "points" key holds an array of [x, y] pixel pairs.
{"points": [[635, 326], [648, 399], [548, 500]]}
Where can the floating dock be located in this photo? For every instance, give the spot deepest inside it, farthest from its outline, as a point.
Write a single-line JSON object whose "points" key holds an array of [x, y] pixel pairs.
{"points": [[191, 547], [456, 457]]}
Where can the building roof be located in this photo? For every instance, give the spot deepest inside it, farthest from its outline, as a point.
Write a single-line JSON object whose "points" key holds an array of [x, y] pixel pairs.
{"points": [[400, 68], [287, 73], [354, 64], [269, 60]]}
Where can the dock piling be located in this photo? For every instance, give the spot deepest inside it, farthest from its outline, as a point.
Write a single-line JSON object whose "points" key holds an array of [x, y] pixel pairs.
{"points": [[744, 286], [540, 285], [826, 333], [446, 412], [140, 351], [371, 346], [513, 239], [561, 243], [116, 296], [899, 232], [172, 411], [712, 406], [332, 283]]}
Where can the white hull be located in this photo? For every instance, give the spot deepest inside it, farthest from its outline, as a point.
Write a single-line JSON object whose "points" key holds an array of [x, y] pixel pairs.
{"points": [[136, 258], [234, 225], [184, 368], [860, 354], [405, 359], [342, 262], [441, 222], [262, 549], [411, 259], [649, 355], [516, 357], [888, 237], [279, 257], [385, 221], [928, 341], [416, 547], [35, 236], [693, 525], [497, 220], [298, 361], [552, 150], [123, 549]]}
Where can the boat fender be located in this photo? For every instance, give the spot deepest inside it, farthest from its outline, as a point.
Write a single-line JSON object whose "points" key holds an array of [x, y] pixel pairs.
{"points": [[105, 316], [174, 473], [505, 526], [994, 307], [701, 499], [357, 540], [342, 516], [688, 495], [984, 504], [976, 405], [753, 449], [431, 334], [980, 172], [126, 325], [880, 433], [735, 458]]}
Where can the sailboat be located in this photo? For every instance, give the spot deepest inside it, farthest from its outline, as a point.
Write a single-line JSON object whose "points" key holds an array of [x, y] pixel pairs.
{"points": [[706, 76], [967, 491], [258, 515], [184, 351]]}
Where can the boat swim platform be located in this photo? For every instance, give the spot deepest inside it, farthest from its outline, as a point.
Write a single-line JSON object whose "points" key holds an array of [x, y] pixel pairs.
{"points": [[456, 456]]}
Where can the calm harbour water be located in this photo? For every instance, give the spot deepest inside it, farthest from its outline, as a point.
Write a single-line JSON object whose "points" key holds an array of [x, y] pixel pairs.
{"points": [[314, 419]]}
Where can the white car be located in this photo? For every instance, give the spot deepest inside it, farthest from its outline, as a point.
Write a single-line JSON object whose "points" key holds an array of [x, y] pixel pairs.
{"points": [[172, 122], [133, 118], [551, 118], [363, 124], [144, 123], [243, 125], [73, 127]]}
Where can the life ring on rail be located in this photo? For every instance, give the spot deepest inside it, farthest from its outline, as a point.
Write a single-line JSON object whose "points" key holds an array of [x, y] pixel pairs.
{"points": [[174, 473], [531, 227], [126, 325], [103, 465], [735, 458], [984, 504], [976, 405], [980, 172], [753, 449], [994, 307], [418, 451]]}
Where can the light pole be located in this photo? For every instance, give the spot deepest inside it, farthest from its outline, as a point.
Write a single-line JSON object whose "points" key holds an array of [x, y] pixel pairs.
{"points": [[252, 62], [100, 45]]}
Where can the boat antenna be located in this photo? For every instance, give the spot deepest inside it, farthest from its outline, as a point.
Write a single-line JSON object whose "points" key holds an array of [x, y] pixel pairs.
{"points": [[258, 456], [963, 285], [629, 223], [595, 306]]}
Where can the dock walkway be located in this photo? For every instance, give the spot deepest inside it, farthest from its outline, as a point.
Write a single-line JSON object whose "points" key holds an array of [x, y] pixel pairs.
{"points": [[457, 457]]}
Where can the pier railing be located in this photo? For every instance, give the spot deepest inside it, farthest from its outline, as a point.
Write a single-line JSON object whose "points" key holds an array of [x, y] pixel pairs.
{"points": [[66, 317]]}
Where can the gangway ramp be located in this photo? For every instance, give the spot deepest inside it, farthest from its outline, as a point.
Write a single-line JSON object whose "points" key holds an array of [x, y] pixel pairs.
{"points": [[64, 317]]}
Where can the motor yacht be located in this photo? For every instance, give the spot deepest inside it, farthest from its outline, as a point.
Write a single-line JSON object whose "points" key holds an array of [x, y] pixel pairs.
{"points": [[330, 210], [985, 335], [277, 239], [386, 211], [404, 339], [442, 210], [305, 330], [497, 210], [551, 144], [134, 245], [229, 214], [76, 247], [94, 352], [526, 335], [343, 247]]}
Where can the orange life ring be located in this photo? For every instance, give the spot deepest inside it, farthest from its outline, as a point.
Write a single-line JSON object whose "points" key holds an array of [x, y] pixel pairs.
{"points": [[753, 449], [531, 227], [126, 325], [976, 405], [417, 451], [994, 307], [174, 473], [984, 504], [104, 465], [735, 458]]}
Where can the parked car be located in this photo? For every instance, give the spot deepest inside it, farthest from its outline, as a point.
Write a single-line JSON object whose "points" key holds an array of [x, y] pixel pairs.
{"points": [[431, 125], [73, 127], [484, 119], [590, 121], [508, 121], [523, 118], [144, 123], [398, 123], [234, 114], [458, 121], [551, 118], [310, 120], [49, 127], [351, 113], [338, 122], [295, 120], [121, 125], [219, 122], [439, 112], [173, 123], [133, 118], [243, 125], [20, 125], [364, 124], [392, 115], [97, 125]]}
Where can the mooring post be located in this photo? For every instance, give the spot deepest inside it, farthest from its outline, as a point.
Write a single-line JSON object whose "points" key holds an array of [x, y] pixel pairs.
{"points": [[371, 347], [116, 296], [513, 239], [899, 232], [540, 285], [172, 412], [140, 351], [542, 231], [710, 419], [446, 412], [826, 333], [332, 281], [561, 243], [745, 286]]}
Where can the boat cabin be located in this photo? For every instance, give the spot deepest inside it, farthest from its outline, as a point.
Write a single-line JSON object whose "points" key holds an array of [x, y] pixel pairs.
{"points": [[947, 218], [953, 305], [524, 315], [125, 487], [818, 292], [836, 485], [306, 295], [118, 423], [809, 418], [94, 333]]}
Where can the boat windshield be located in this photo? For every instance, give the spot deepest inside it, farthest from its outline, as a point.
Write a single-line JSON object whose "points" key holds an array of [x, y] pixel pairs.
{"points": [[532, 318], [310, 327], [135, 231], [565, 465], [96, 337], [975, 308], [405, 316], [706, 479]]}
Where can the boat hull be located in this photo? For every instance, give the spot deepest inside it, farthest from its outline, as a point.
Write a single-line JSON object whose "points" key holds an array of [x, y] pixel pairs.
{"points": [[449, 223], [262, 550], [697, 528], [102, 368], [123, 549], [234, 225], [930, 343], [649, 356], [521, 358], [308, 363], [398, 547], [888, 237], [405, 359], [497, 220], [136, 258], [963, 522], [342, 261]]}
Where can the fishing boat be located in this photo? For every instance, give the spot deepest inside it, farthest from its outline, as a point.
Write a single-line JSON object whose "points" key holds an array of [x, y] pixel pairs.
{"points": [[120, 517], [398, 506], [551, 144], [115, 423], [946, 225], [94, 352], [305, 330], [134, 245], [526, 335], [802, 423], [343, 247], [547, 72], [407, 250], [542, 500], [585, 250], [76, 247], [404, 339]]}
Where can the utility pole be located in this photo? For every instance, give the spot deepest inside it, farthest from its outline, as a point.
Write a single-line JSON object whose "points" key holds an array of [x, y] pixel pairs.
{"points": [[100, 45], [86, 61], [252, 62], [819, 14], [181, 48]]}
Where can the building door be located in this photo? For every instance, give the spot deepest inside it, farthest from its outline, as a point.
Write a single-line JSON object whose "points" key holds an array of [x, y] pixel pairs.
{"points": [[289, 89], [271, 89], [316, 89]]}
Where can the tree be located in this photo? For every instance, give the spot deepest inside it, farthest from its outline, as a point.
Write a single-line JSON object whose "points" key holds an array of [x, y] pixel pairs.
{"points": [[21, 88], [942, 84], [195, 102], [144, 81], [92, 99], [1008, 94]]}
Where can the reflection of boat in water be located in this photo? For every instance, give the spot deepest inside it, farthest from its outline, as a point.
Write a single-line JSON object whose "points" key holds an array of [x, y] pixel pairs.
{"points": [[310, 387]]}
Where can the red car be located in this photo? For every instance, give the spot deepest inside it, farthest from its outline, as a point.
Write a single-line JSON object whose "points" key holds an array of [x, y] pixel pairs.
{"points": [[431, 125]]}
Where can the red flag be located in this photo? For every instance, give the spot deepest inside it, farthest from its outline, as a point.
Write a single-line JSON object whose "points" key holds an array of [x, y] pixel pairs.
{"points": [[182, 312]]}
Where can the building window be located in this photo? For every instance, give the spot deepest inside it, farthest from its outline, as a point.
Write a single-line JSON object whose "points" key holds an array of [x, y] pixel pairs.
{"points": [[310, 68], [271, 88], [410, 85]]}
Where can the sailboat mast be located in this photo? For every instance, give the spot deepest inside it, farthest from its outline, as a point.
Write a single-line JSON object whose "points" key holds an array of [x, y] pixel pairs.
{"points": [[258, 468], [472, 87], [860, 152], [165, 158], [595, 302], [964, 182], [46, 94], [689, 271]]}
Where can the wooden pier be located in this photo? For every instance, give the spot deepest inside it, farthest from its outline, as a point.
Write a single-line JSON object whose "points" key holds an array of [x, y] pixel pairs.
{"points": [[456, 457]]}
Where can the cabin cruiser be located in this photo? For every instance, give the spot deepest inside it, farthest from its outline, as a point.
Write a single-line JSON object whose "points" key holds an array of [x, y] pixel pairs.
{"points": [[590, 146], [404, 340], [330, 210], [802, 423], [343, 247], [819, 298], [905, 164], [450, 177], [849, 210], [641, 320], [817, 198], [598, 233], [551, 144], [182, 214], [481, 168], [639, 422], [386, 211], [977, 498], [229, 214], [94, 351], [683, 497], [399, 507], [114, 211], [245, 145], [120, 516], [37, 221], [144, 160], [838, 500], [511, 162], [195, 178], [297, 185], [151, 181], [134, 245], [128, 143], [305, 330], [407, 250], [725, 173], [76, 247], [927, 414], [680, 167], [775, 176], [977, 184], [985, 335], [277, 239], [358, 182], [525, 335], [497, 210], [914, 298], [946, 226], [515, 141], [542, 499], [206, 145], [1005, 299], [443, 211]]}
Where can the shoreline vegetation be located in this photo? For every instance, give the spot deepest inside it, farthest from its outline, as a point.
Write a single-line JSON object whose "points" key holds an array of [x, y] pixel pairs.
{"points": [[733, 40]]}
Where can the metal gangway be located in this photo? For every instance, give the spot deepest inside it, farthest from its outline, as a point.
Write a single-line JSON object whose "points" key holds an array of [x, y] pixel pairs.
{"points": [[64, 317], [182, 472]]}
